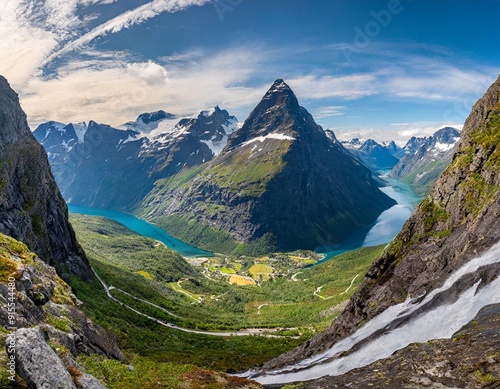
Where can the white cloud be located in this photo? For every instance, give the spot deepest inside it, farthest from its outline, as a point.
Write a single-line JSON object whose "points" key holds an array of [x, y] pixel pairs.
{"points": [[318, 87], [36, 32], [328, 111], [149, 73], [119, 92], [440, 82]]}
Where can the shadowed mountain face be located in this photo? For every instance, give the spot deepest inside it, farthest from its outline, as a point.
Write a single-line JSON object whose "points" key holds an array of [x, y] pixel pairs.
{"points": [[280, 181], [457, 222], [31, 208]]}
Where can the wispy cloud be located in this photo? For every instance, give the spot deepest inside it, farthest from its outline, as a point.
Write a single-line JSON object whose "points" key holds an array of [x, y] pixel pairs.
{"points": [[34, 33], [128, 19], [350, 87], [116, 93], [328, 111]]}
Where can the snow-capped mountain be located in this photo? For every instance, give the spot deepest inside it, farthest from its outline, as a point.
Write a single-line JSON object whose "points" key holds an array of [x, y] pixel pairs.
{"points": [[149, 121], [352, 144], [374, 155], [425, 159], [99, 165], [393, 148]]}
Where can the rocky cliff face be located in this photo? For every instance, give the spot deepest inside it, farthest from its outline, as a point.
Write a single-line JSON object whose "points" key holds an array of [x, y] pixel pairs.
{"points": [[44, 353], [458, 221], [31, 208], [280, 182], [425, 159]]}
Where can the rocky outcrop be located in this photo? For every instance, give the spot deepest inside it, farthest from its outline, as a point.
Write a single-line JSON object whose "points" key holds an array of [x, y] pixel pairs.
{"points": [[46, 327], [31, 208], [37, 363], [458, 221], [280, 183]]}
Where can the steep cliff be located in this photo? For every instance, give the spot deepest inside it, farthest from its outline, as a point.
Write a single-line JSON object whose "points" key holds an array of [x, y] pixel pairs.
{"points": [[458, 221], [31, 208], [42, 328]]}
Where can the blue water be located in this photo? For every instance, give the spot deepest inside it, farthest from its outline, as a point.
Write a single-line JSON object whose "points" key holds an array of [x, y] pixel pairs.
{"points": [[387, 225], [143, 228], [385, 228]]}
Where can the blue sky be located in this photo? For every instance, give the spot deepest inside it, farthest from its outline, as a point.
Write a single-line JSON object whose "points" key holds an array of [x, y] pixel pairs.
{"points": [[383, 69]]}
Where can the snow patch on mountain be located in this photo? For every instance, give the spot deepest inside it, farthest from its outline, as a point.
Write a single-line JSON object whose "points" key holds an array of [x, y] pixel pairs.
{"points": [[80, 130], [269, 136]]}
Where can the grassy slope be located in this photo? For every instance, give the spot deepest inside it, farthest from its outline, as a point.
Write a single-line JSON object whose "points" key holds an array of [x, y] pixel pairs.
{"points": [[237, 173]]}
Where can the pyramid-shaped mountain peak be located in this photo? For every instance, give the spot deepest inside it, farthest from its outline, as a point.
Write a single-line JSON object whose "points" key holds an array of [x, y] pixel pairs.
{"points": [[280, 92], [278, 112]]}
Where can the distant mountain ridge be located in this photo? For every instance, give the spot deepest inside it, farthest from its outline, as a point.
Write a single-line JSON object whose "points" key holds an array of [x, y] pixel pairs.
{"points": [[280, 182], [101, 166], [425, 159], [374, 155]]}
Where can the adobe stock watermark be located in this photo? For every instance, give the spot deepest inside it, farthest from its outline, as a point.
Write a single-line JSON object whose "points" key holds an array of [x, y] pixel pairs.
{"points": [[11, 320], [224, 6], [363, 37]]}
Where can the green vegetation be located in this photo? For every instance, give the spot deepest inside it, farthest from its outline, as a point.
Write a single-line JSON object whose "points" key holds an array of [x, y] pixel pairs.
{"points": [[261, 272], [204, 299], [433, 213], [247, 175], [10, 247], [197, 234], [423, 178], [126, 249], [147, 374], [484, 378], [182, 179], [489, 137], [478, 193]]}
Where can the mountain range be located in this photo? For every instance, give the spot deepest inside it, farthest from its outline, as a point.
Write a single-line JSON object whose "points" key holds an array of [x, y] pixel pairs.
{"points": [[101, 166], [374, 155], [419, 163], [425, 159]]}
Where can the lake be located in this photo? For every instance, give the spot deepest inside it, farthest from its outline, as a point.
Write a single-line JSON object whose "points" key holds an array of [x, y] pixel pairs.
{"points": [[143, 228], [385, 228]]}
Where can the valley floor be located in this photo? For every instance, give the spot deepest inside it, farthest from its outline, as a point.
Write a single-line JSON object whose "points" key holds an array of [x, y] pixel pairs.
{"points": [[162, 307]]}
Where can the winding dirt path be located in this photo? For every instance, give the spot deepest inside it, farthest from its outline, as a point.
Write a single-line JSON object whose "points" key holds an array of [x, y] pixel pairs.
{"points": [[246, 332]]}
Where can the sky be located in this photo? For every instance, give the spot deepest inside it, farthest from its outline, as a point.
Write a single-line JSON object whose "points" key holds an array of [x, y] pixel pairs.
{"points": [[386, 70]]}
